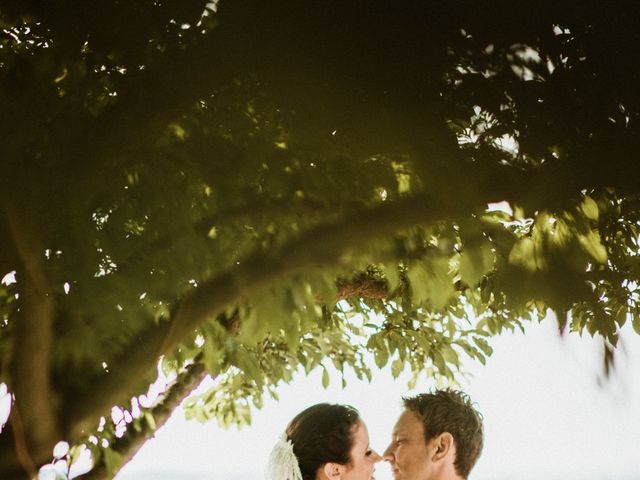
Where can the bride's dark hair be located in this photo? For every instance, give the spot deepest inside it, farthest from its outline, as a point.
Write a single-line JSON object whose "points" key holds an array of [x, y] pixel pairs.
{"points": [[322, 433]]}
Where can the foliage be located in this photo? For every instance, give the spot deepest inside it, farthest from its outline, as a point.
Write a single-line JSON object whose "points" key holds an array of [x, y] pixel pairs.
{"points": [[255, 188]]}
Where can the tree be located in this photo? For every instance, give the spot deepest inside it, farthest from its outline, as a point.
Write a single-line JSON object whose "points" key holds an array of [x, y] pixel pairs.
{"points": [[248, 188]]}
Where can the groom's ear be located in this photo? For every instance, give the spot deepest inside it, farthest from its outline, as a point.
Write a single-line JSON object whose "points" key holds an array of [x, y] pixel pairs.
{"points": [[443, 445], [333, 471]]}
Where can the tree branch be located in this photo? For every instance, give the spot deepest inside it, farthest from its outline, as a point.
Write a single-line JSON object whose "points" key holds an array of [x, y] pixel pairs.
{"points": [[30, 357], [250, 211], [328, 244], [133, 440]]}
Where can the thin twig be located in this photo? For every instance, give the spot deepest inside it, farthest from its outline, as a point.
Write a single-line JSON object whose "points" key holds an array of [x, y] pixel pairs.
{"points": [[133, 440]]}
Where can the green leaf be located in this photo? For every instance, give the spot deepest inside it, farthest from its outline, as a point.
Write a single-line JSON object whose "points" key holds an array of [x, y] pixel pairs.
{"points": [[392, 275], [419, 279], [255, 323], [112, 461], [424, 343], [75, 452], [523, 254], [325, 378], [394, 341], [324, 287], [450, 355], [397, 366], [621, 316], [590, 208], [475, 262], [592, 245], [249, 365], [483, 345], [148, 416], [442, 289], [430, 281], [381, 356], [438, 361], [636, 324], [292, 331], [472, 352]]}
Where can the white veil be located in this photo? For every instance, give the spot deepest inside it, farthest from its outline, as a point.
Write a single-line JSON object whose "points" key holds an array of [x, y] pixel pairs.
{"points": [[283, 463]]}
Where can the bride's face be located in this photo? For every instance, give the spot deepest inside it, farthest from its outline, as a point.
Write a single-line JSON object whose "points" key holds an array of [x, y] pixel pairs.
{"points": [[363, 457]]}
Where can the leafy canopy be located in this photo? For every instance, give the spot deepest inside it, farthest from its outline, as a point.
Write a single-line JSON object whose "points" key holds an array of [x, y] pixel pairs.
{"points": [[250, 188]]}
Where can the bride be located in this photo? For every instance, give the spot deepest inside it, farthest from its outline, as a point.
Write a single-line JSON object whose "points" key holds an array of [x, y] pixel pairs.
{"points": [[323, 442]]}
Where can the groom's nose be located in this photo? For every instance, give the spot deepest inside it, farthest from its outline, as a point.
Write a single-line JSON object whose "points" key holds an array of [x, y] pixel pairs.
{"points": [[388, 453]]}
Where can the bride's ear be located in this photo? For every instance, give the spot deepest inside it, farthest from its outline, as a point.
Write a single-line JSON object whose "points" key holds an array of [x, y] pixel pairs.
{"points": [[333, 471]]}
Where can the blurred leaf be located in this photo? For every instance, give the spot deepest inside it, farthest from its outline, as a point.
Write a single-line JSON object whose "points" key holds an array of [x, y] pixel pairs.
{"points": [[592, 245], [430, 281], [475, 262], [590, 208], [523, 254]]}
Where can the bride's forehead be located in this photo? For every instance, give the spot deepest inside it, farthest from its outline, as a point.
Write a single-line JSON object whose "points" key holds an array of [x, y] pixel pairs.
{"points": [[360, 433]]}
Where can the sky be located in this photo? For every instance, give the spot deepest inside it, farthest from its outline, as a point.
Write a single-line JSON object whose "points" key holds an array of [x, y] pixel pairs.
{"points": [[547, 411]]}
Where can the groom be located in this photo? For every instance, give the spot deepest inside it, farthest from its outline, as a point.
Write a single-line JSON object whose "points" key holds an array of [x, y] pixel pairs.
{"points": [[437, 437]]}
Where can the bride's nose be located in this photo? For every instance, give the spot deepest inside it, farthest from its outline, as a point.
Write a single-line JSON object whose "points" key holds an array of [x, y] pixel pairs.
{"points": [[376, 457]]}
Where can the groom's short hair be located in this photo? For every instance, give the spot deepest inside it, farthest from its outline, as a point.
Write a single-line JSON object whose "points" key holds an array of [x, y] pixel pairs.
{"points": [[451, 411]]}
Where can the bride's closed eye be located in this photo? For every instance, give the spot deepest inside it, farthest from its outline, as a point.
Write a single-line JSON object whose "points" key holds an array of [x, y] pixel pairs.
{"points": [[368, 453]]}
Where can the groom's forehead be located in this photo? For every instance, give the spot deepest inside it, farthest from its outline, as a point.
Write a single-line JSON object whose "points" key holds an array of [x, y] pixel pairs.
{"points": [[408, 422]]}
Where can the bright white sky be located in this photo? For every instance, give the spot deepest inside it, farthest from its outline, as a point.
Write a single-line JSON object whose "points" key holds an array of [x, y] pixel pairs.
{"points": [[546, 416]]}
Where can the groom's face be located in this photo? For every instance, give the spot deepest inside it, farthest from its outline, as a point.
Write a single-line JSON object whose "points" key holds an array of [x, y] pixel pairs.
{"points": [[408, 452]]}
